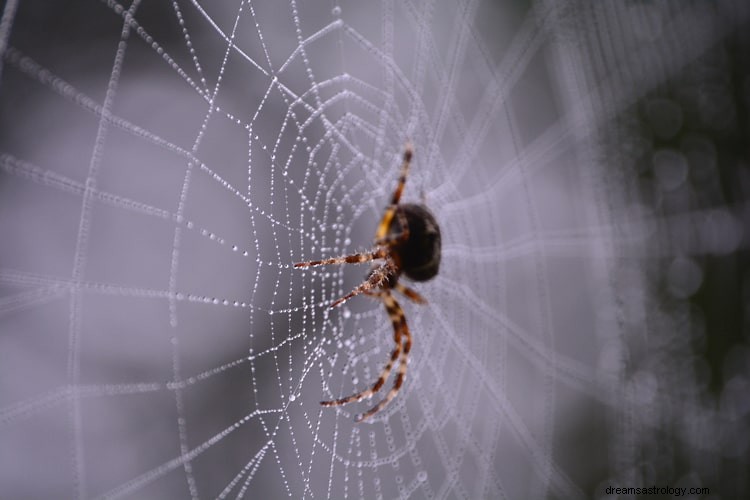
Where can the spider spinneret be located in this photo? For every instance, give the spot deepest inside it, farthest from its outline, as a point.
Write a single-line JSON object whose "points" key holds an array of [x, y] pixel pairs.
{"points": [[408, 242]]}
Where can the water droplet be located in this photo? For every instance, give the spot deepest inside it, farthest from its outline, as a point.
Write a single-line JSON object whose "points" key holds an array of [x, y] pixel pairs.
{"points": [[422, 476], [336, 11], [292, 397], [720, 232], [684, 277], [670, 168]]}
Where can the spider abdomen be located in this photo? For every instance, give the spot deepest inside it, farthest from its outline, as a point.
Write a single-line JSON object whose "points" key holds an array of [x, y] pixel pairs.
{"points": [[419, 255]]}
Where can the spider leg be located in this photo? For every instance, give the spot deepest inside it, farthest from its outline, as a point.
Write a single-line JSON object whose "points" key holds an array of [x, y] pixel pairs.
{"points": [[377, 277], [392, 239], [408, 152], [399, 322], [347, 259], [410, 293], [367, 393], [387, 219]]}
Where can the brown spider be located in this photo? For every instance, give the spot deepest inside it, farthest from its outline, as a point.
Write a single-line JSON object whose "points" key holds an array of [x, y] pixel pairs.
{"points": [[408, 242]]}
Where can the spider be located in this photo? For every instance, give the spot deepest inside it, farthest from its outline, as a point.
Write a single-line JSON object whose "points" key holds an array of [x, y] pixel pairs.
{"points": [[407, 241]]}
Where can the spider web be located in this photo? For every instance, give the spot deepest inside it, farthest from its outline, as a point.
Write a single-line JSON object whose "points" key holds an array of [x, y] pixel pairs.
{"points": [[165, 163]]}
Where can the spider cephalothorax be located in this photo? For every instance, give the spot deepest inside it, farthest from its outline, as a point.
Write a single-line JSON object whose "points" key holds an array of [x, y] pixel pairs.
{"points": [[408, 242]]}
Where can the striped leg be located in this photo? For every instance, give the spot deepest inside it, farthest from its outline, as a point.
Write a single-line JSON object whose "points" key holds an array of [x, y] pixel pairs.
{"points": [[377, 277], [367, 393], [411, 294], [408, 152], [399, 322], [387, 219], [348, 259], [393, 239]]}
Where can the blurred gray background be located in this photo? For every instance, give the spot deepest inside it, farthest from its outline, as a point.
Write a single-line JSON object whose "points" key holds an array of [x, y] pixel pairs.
{"points": [[163, 164]]}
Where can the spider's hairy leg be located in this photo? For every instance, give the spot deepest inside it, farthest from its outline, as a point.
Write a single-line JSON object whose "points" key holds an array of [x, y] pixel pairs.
{"points": [[385, 223], [377, 277], [367, 393], [410, 293], [399, 322], [384, 226], [387, 219], [347, 259], [408, 152]]}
